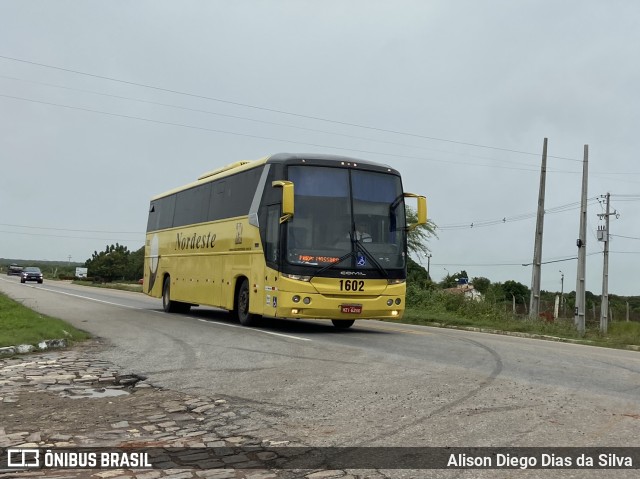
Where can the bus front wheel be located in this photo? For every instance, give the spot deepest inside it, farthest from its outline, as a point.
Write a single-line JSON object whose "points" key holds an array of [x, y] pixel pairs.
{"points": [[168, 304], [242, 305], [343, 323]]}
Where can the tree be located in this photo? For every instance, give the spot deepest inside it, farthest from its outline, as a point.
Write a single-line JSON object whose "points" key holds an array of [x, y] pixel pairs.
{"points": [[452, 280], [116, 262], [136, 264], [513, 288], [481, 284], [417, 275], [418, 237]]}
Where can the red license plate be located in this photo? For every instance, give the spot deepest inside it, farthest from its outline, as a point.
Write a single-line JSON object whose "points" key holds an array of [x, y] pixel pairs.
{"points": [[351, 308]]}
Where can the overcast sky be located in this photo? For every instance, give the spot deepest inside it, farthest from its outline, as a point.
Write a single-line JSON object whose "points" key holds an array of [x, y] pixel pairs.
{"points": [[105, 104]]}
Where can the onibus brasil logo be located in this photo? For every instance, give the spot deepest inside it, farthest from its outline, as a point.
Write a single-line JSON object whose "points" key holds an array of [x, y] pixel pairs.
{"points": [[19, 458]]}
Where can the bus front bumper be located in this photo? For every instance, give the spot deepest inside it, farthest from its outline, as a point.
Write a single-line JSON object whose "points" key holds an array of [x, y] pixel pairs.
{"points": [[322, 306]]}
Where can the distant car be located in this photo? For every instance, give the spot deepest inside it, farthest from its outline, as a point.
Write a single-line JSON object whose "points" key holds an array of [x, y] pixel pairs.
{"points": [[31, 273], [14, 270]]}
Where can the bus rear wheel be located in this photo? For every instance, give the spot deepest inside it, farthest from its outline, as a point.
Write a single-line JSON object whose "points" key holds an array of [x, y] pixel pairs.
{"points": [[168, 304], [242, 305], [343, 323]]}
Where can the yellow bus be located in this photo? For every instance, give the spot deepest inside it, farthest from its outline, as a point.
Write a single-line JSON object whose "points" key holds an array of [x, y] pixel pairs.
{"points": [[287, 236]]}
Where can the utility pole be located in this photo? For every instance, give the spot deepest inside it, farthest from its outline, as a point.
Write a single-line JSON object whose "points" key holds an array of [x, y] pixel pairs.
{"points": [[534, 301], [429, 255], [562, 292], [579, 315], [603, 235]]}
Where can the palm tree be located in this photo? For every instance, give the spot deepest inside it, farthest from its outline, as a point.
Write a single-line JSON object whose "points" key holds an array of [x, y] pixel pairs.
{"points": [[418, 237]]}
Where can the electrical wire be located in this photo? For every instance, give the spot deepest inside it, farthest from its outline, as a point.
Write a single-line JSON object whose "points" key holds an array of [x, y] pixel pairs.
{"points": [[510, 219], [274, 110], [74, 230], [246, 135], [264, 122], [73, 237]]}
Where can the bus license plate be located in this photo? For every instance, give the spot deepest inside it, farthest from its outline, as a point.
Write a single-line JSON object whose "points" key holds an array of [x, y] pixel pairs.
{"points": [[351, 308]]}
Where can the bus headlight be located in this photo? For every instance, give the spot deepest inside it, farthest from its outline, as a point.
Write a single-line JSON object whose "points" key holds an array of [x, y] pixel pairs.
{"points": [[398, 301], [306, 300], [296, 299], [297, 277], [389, 302]]}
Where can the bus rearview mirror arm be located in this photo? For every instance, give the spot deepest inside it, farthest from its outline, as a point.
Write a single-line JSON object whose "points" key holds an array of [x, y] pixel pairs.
{"points": [[287, 199], [422, 210]]}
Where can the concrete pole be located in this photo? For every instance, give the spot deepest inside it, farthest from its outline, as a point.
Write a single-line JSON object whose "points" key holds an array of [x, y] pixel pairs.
{"points": [[604, 310], [579, 315], [562, 293], [534, 301]]}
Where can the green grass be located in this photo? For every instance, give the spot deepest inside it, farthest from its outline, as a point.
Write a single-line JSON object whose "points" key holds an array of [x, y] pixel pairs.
{"points": [[437, 307], [21, 325]]}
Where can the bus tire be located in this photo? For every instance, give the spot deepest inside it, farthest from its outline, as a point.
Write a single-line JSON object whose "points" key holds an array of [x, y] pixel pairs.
{"points": [[343, 323], [168, 304], [242, 305]]}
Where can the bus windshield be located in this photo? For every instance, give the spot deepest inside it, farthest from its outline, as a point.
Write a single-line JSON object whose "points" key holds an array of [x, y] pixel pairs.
{"points": [[347, 218]]}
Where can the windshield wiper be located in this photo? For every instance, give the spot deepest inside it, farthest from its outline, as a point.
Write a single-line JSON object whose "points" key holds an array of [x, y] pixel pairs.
{"points": [[371, 257], [354, 242], [331, 265]]}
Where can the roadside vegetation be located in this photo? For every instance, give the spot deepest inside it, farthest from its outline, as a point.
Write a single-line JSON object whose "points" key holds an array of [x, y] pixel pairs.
{"points": [[50, 269], [21, 325], [503, 307], [113, 264]]}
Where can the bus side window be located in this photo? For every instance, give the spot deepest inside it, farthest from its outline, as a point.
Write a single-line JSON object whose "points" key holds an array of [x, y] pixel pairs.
{"points": [[273, 230]]}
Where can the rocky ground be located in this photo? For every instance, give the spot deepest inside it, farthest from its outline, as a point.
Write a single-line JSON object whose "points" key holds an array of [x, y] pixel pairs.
{"points": [[68, 399]]}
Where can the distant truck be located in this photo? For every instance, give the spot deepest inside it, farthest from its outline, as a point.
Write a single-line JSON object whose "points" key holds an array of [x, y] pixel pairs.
{"points": [[14, 270]]}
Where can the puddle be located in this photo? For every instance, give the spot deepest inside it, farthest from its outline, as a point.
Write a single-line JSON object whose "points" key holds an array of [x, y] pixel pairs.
{"points": [[93, 393]]}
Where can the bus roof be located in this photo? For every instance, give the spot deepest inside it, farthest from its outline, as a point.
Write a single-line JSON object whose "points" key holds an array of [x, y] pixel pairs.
{"points": [[296, 158], [283, 158]]}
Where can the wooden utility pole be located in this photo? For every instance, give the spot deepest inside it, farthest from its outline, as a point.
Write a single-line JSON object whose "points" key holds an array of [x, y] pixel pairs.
{"points": [[534, 301], [579, 315]]}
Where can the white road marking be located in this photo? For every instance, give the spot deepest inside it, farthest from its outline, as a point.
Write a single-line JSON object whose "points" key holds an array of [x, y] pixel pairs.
{"points": [[160, 312], [255, 330]]}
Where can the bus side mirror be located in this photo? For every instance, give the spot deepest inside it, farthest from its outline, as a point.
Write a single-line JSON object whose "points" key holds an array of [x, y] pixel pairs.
{"points": [[422, 210], [287, 199]]}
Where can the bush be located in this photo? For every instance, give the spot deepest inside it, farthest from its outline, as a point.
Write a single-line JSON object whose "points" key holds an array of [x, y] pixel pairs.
{"points": [[438, 301], [624, 332]]}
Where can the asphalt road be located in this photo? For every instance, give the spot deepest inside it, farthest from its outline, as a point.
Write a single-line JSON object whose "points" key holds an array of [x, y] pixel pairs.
{"points": [[376, 384]]}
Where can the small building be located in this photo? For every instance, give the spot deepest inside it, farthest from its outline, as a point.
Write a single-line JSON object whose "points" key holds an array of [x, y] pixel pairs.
{"points": [[467, 290]]}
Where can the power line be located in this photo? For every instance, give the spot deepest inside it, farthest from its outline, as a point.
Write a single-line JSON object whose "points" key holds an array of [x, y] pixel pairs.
{"points": [[626, 237], [520, 264], [246, 135], [264, 122], [74, 230], [510, 219], [73, 237], [273, 110], [573, 258]]}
